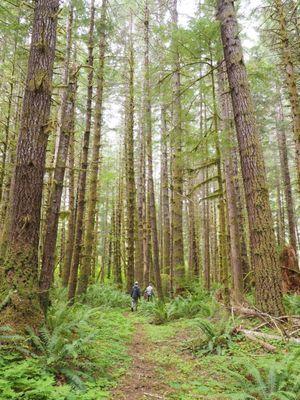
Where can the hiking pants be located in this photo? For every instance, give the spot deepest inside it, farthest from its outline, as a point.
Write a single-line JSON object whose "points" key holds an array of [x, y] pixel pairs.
{"points": [[134, 303]]}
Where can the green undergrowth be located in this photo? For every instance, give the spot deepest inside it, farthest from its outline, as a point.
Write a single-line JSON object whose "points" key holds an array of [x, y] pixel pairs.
{"points": [[194, 303], [200, 355], [106, 296], [82, 351], [78, 355]]}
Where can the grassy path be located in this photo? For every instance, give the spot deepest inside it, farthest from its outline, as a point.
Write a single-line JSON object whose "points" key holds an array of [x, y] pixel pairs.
{"points": [[142, 380], [160, 369]]}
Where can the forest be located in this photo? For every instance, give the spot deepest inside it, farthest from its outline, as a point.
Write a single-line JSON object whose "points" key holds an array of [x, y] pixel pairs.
{"points": [[149, 199]]}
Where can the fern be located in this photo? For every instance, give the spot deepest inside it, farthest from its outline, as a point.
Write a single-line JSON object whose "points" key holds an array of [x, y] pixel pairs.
{"points": [[271, 382], [194, 304], [214, 338]]}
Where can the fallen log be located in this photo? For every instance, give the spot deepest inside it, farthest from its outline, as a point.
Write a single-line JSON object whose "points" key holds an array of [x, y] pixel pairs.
{"points": [[277, 322], [267, 336], [250, 312], [267, 346]]}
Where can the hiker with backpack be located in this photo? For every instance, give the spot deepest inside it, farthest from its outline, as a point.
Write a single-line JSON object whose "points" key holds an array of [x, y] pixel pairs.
{"points": [[135, 295], [149, 293]]}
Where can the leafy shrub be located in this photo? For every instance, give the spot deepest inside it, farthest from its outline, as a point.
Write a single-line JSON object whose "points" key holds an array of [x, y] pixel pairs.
{"points": [[77, 345], [66, 346], [155, 310], [275, 381], [28, 380], [214, 338], [106, 296], [195, 304]]}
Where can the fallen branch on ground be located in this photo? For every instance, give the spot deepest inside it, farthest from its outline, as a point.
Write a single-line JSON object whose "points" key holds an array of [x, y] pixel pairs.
{"points": [[267, 336], [251, 336], [153, 395], [276, 322]]}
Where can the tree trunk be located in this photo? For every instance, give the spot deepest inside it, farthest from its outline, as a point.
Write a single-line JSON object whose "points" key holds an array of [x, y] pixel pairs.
{"points": [[262, 238], [20, 272], [72, 214], [66, 131], [72, 262], [94, 179], [285, 175], [129, 167], [228, 131], [166, 234], [290, 77], [224, 273], [241, 216], [117, 240], [165, 198], [194, 266], [280, 225], [206, 231], [141, 199], [9, 114], [148, 133], [177, 168]]}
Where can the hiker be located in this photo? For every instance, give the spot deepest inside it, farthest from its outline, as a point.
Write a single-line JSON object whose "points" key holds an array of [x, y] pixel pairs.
{"points": [[135, 295], [149, 292]]}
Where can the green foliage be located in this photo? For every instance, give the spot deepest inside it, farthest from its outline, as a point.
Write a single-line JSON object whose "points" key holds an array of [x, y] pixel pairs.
{"points": [[27, 379], [275, 381], [155, 310], [67, 345], [75, 356], [197, 303], [106, 296], [292, 303], [214, 339]]}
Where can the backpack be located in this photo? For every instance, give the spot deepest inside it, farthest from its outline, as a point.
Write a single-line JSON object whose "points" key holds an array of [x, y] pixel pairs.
{"points": [[135, 292]]}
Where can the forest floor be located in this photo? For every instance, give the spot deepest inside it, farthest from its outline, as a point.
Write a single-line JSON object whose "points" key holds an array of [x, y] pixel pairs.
{"points": [[161, 368], [164, 367], [185, 349], [143, 379]]}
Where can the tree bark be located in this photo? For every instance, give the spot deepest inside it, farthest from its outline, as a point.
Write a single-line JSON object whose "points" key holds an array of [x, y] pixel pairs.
{"points": [[290, 77], [95, 163], [117, 240], [285, 175], [129, 167], [65, 132], [148, 133], [141, 215], [73, 257], [194, 264], [20, 271], [228, 131], [72, 214], [224, 273], [262, 239], [177, 164]]}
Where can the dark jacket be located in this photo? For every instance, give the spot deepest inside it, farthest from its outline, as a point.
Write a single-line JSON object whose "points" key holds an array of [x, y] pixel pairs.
{"points": [[135, 292]]}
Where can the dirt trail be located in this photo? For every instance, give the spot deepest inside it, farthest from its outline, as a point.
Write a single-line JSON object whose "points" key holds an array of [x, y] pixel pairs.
{"points": [[142, 380]]}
